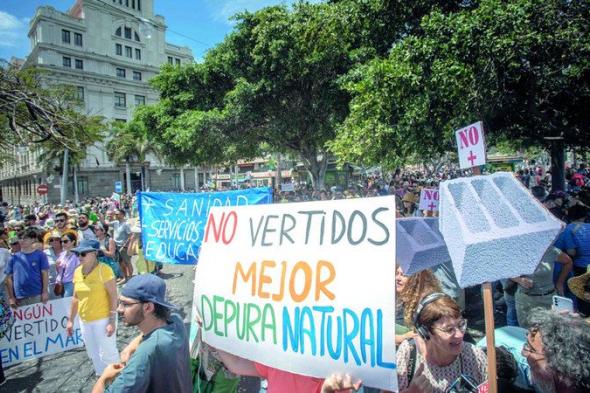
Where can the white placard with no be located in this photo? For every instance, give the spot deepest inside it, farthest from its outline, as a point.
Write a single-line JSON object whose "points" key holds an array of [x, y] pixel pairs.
{"points": [[429, 198], [471, 145], [306, 287]]}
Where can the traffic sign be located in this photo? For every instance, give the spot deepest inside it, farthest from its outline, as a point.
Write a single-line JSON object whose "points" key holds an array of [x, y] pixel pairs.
{"points": [[42, 189]]}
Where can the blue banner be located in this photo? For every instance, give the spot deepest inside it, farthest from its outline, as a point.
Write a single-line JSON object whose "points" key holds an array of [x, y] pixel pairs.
{"points": [[173, 224]]}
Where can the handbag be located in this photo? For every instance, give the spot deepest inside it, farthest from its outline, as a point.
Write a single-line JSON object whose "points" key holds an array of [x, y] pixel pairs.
{"points": [[58, 288]]}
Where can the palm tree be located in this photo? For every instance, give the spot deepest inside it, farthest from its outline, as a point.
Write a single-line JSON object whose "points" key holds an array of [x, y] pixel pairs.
{"points": [[129, 143]]}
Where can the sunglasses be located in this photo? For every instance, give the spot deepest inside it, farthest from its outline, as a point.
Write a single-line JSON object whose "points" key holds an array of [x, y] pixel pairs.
{"points": [[83, 253], [65, 241]]}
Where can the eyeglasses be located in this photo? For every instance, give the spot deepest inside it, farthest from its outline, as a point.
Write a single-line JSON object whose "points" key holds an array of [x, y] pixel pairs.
{"points": [[128, 304], [449, 331], [66, 241]]}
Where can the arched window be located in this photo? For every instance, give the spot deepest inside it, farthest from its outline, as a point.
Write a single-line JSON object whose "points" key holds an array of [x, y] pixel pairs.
{"points": [[118, 32]]}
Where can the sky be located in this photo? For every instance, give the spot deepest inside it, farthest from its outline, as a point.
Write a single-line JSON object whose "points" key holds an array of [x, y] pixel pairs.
{"points": [[198, 24]]}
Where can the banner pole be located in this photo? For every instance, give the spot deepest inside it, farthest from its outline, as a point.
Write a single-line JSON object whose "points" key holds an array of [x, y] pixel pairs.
{"points": [[488, 305]]}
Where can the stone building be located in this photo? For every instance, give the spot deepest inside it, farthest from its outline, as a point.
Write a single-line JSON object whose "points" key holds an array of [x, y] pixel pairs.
{"points": [[108, 50]]}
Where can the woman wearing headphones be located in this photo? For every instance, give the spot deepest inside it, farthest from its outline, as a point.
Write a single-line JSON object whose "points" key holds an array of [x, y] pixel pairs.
{"points": [[438, 360]]}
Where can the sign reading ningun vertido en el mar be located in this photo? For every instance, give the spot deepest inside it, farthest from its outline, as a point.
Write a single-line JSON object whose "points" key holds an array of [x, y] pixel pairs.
{"points": [[305, 287], [39, 330]]}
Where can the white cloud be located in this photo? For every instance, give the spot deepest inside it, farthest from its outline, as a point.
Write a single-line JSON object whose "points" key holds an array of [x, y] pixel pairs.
{"points": [[13, 31]]}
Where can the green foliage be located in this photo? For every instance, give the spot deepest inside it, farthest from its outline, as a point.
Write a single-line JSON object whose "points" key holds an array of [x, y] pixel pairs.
{"points": [[521, 66]]}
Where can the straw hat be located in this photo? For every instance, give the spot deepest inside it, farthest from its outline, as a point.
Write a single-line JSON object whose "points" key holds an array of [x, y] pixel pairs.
{"points": [[576, 285]]}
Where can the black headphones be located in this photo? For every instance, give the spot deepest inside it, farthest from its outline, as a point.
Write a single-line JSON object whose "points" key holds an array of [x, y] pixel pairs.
{"points": [[421, 329]]}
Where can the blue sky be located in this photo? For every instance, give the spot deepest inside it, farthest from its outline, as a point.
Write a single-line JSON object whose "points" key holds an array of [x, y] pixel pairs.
{"points": [[206, 22]]}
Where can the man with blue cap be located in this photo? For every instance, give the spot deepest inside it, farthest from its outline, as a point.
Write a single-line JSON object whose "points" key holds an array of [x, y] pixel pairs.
{"points": [[157, 360]]}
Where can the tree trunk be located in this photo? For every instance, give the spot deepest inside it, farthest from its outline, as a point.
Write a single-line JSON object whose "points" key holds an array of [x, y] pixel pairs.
{"points": [[128, 176], [76, 195], [196, 179], [181, 179], [142, 177], [557, 166], [316, 168], [64, 179]]}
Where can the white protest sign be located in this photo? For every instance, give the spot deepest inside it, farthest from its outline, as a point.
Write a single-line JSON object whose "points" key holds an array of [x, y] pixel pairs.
{"points": [[429, 198], [39, 330], [471, 145], [287, 187], [305, 287]]}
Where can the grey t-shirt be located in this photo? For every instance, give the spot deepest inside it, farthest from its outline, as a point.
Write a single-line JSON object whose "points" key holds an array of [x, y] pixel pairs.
{"points": [[160, 364], [121, 232]]}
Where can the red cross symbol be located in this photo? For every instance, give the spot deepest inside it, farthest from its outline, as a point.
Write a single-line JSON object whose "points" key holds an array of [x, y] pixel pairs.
{"points": [[471, 157], [432, 206]]}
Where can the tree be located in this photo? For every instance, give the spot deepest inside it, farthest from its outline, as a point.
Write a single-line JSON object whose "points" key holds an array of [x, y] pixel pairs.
{"points": [[39, 115], [130, 142], [272, 80], [521, 66]]}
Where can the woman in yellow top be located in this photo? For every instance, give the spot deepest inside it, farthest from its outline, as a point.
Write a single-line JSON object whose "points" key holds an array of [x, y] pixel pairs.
{"points": [[95, 300]]}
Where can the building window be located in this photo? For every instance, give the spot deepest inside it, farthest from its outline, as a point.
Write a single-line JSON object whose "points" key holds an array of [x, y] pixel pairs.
{"points": [[136, 36], [80, 93], [119, 49], [133, 4], [118, 32], [67, 62], [128, 33], [121, 72], [136, 75], [177, 62], [126, 3], [120, 100], [65, 36], [78, 39], [137, 54], [170, 60], [139, 5], [139, 100], [129, 52], [79, 64]]}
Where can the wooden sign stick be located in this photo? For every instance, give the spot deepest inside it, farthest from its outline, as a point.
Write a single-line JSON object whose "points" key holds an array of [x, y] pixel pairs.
{"points": [[488, 306]]}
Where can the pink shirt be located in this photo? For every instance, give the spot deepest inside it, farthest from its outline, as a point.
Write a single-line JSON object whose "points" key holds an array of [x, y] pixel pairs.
{"points": [[69, 263], [280, 381]]}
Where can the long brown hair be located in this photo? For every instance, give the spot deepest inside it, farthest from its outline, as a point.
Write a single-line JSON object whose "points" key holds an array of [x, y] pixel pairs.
{"points": [[418, 286]]}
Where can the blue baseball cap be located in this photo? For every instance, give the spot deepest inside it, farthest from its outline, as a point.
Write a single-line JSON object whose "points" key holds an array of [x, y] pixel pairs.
{"points": [[87, 245], [147, 288]]}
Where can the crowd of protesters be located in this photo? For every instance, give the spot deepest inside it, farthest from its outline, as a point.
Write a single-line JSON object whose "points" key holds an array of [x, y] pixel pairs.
{"points": [[84, 251]]}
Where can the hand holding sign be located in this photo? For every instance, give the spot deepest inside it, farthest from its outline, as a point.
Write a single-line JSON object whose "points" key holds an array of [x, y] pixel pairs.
{"points": [[471, 146]]}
